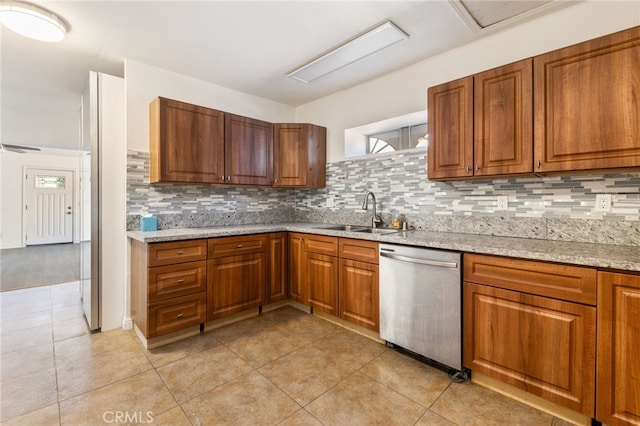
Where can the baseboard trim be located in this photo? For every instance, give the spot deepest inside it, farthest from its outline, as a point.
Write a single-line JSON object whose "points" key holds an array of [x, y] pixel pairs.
{"points": [[530, 399], [127, 323]]}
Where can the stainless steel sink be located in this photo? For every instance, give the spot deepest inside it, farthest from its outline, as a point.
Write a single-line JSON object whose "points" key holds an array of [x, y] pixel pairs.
{"points": [[352, 228], [377, 230], [358, 228]]}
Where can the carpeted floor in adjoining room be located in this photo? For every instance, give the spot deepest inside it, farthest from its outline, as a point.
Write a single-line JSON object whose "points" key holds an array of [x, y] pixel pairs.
{"points": [[36, 266]]}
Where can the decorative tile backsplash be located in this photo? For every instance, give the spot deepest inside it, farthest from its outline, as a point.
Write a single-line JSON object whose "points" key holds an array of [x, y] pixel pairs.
{"points": [[556, 207], [400, 183]]}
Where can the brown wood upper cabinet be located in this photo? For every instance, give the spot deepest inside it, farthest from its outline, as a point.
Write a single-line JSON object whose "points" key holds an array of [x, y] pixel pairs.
{"points": [[194, 144], [248, 151], [503, 120], [450, 109], [573, 109], [587, 105], [300, 155], [482, 125], [186, 142]]}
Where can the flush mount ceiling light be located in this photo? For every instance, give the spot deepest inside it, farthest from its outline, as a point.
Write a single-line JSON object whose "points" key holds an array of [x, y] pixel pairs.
{"points": [[347, 53], [32, 21]]}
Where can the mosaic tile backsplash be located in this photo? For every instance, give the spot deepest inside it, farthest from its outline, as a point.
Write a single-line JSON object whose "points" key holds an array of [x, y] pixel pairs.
{"points": [[556, 207]]}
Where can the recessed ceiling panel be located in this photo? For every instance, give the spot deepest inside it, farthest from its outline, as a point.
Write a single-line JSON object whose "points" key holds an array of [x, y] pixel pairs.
{"points": [[489, 12]]}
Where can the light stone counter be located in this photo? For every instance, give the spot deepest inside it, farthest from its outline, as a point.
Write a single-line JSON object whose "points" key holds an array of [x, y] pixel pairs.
{"points": [[595, 255]]}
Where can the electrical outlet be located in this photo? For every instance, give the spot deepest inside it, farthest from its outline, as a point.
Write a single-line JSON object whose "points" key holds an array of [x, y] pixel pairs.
{"points": [[603, 202], [330, 202], [503, 203]]}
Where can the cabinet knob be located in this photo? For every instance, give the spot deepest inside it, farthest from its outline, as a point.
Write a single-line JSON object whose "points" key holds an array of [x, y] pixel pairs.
{"points": [[467, 169], [229, 178], [477, 167], [180, 315], [179, 252], [180, 281], [239, 246], [539, 164]]}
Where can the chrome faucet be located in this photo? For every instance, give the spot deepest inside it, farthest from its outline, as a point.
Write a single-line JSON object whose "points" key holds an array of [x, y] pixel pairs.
{"points": [[376, 220]]}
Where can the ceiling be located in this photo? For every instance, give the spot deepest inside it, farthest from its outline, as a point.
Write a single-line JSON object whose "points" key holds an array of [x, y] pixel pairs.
{"points": [[246, 46]]}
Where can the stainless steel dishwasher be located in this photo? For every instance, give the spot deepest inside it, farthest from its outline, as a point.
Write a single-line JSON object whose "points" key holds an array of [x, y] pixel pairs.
{"points": [[420, 302]]}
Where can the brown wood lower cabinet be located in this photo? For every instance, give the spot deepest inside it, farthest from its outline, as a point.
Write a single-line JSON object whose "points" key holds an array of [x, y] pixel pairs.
{"points": [[277, 273], [298, 288], [236, 274], [176, 314], [168, 286], [342, 278], [618, 371], [359, 299], [322, 274], [541, 345], [536, 343]]}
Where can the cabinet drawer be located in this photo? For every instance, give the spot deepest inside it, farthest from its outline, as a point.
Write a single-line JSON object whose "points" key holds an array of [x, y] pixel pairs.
{"points": [[571, 283], [365, 251], [233, 246], [177, 252], [181, 279], [175, 314], [321, 244]]}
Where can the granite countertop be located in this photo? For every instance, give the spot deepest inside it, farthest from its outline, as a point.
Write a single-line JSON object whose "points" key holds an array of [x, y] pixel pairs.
{"points": [[595, 255]]}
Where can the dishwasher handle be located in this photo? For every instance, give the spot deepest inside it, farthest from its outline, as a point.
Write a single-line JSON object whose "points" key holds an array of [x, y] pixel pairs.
{"points": [[451, 265]]}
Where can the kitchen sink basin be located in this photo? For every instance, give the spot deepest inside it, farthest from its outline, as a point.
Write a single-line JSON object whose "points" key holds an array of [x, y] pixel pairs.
{"points": [[359, 228], [377, 231], [352, 228]]}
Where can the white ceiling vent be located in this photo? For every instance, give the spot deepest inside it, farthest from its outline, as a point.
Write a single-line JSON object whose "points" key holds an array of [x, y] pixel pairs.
{"points": [[490, 12]]}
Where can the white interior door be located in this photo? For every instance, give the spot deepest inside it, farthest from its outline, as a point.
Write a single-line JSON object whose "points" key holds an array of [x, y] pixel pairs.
{"points": [[48, 206]]}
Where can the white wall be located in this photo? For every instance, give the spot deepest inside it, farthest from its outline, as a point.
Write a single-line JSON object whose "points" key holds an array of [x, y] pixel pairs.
{"points": [[143, 83], [405, 91], [11, 187]]}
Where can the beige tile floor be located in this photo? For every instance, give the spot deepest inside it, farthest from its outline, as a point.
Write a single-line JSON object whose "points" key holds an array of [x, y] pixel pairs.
{"points": [[284, 367]]}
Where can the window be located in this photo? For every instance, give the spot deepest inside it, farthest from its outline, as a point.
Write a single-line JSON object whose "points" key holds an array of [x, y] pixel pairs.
{"points": [[394, 140], [386, 136], [50, 182]]}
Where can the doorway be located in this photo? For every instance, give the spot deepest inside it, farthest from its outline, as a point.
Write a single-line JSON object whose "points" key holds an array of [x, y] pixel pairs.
{"points": [[48, 196]]}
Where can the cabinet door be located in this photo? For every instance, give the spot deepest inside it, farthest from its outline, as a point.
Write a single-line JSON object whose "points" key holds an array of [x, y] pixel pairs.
{"points": [[322, 278], [276, 287], [234, 284], [503, 120], [299, 155], [298, 285], [290, 158], [541, 345], [618, 372], [359, 297], [186, 142], [587, 108], [450, 110], [248, 151]]}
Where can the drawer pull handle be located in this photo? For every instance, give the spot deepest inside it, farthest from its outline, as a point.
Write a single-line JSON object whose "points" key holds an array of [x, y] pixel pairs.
{"points": [[179, 252], [239, 246], [180, 281], [180, 315]]}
